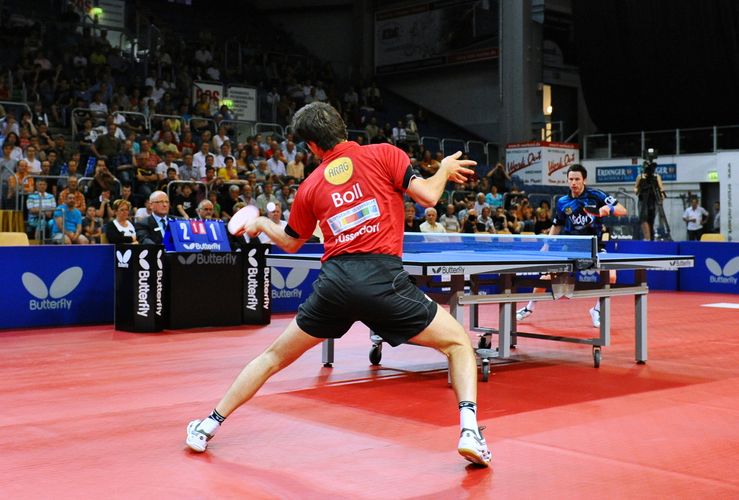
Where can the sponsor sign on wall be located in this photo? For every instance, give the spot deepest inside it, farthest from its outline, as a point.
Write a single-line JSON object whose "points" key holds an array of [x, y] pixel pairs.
{"points": [[257, 305], [139, 288], [56, 285], [243, 102], [541, 162], [629, 173]]}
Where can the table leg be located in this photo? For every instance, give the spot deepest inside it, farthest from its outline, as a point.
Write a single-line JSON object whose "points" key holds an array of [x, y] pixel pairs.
{"points": [[505, 326], [605, 320], [327, 352], [640, 306]]}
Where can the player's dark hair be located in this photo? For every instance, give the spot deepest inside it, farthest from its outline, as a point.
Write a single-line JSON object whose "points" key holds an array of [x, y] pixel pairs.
{"points": [[576, 167], [320, 123]]}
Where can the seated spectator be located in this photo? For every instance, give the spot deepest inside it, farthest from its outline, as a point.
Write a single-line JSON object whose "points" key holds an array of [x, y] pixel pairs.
{"points": [[213, 198], [228, 172], [220, 138], [187, 144], [120, 229], [500, 219], [543, 221], [266, 197], [296, 168], [67, 223], [164, 166], [185, 203], [247, 195], [164, 184], [274, 213], [188, 171], [276, 164], [499, 178], [103, 180], [92, 226], [107, 146], [34, 164], [41, 207], [399, 137], [412, 225], [286, 196], [205, 210], [67, 173], [430, 225], [228, 201], [166, 145], [486, 218], [144, 212], [102, 205], [449, 220], [73, 189], [480, 203], [494, 198], [428, 165], [470, 224], [262, 172]]}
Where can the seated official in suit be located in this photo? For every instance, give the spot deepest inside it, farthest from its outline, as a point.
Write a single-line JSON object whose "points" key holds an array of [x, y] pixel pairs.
{"points": [[119, 229], [151, 230]]}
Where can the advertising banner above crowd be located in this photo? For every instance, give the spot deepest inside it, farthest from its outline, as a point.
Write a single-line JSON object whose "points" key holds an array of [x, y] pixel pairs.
{"points": [[541, 162]]}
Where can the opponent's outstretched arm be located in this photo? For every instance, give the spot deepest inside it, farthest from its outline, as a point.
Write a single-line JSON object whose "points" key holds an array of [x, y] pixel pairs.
{"points": [[428, 191]]}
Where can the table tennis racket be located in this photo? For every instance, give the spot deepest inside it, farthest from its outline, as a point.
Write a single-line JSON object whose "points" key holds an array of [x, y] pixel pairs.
{"points": [[241, 219]]}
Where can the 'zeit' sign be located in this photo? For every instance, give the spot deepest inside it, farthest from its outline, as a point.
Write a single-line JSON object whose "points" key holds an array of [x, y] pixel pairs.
{"points": [[196, 236]]}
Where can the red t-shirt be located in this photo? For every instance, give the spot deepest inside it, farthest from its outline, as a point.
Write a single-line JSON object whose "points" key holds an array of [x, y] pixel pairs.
{"points": [[357, 194]]}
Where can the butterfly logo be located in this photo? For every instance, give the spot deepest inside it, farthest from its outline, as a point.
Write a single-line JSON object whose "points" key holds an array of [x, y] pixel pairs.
{"points": [[123, 258], [63, 285]]}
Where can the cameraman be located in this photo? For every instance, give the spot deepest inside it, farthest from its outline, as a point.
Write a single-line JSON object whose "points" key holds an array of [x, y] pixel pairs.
{"points": [[650, 191]]}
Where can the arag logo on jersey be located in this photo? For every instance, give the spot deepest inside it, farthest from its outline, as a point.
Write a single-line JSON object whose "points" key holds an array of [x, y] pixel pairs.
{"points": [[63, 285], [339, 171], [726, 275]]}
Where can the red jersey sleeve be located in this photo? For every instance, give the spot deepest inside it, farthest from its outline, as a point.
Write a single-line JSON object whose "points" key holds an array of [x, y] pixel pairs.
{"points": [[302, 219], [397, 165]]}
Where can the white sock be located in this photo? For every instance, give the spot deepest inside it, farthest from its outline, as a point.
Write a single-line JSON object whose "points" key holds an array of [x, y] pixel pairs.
{"points": [[209, 426], [530, 305], [468, 415], [597, 305]]}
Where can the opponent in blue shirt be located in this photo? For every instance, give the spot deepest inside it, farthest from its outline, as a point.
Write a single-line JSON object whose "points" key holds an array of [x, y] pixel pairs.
{"points": [[579, 213]]}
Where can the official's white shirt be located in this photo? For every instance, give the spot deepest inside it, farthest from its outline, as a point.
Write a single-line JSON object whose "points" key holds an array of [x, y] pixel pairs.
{"points": [[696, 214]]}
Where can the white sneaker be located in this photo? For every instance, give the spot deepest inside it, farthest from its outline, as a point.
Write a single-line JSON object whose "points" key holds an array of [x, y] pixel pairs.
{"points": [[473, 447], [523, 313], [199, 432], [595, 317]]}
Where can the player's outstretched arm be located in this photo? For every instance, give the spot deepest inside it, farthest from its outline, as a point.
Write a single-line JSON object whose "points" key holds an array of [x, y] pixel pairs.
{"points": [[276, 233], [428, 191]]}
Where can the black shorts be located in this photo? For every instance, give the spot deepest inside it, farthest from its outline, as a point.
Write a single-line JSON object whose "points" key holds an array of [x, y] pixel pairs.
{"points": [[370, 288]]}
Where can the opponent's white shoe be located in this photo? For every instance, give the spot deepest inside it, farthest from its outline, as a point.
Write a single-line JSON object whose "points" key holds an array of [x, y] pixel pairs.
{"points": [[473, 447], [523, 313], [199, 432], [595, 317]]}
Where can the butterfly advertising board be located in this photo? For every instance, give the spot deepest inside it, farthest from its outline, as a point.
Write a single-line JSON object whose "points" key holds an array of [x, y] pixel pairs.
{"points": [[56, 285]]}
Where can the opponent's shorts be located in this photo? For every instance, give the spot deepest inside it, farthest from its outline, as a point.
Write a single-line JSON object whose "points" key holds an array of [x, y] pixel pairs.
{"points": [[370, 288]]}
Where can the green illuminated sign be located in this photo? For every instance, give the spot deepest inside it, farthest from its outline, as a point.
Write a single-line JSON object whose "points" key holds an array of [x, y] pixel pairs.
{"points": [[713, 176]]}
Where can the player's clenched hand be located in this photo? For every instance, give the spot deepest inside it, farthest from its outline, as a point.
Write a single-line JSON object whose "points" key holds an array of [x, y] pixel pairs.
{"points": [[253, 228], [456, 169]]}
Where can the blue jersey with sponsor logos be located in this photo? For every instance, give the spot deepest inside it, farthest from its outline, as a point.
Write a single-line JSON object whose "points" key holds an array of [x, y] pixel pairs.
{"points": [[570, 212]]}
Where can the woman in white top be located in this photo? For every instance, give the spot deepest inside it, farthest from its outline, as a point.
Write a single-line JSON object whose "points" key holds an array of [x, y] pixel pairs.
{"points": [[120, 229]]}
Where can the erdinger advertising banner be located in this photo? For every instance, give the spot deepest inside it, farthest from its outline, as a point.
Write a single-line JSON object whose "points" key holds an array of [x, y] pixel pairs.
{"points": [[257, 306], [139, 288], [56, 285], [716, 267]]}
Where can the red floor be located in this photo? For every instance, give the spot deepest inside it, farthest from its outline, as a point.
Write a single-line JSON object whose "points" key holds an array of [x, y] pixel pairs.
{"points": [[93, 413]]}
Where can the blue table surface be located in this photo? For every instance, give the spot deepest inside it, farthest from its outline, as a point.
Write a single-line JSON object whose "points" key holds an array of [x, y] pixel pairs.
{"points": [[502, 257]]}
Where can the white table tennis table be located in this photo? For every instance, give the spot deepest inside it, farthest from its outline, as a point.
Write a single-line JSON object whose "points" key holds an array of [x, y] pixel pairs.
{"points": [[454, 268]]}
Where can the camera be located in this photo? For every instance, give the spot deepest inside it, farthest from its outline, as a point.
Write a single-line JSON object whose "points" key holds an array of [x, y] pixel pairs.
{"points": [[650, 154]]}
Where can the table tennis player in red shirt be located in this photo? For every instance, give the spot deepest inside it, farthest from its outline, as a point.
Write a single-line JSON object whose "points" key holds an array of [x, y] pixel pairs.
{"points": [[356, 195]]}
